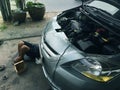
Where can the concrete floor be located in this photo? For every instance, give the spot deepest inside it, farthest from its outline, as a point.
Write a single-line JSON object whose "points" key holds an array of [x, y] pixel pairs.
{"points": [[59, 5], [32, 79]]}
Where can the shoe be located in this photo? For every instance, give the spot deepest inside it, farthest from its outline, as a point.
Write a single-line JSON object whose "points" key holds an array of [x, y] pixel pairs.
{"points": [[38, 60]]}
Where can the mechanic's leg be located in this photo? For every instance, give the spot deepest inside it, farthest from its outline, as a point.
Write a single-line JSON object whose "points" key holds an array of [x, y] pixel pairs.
{"points": [[20, 44], [22, 49]]}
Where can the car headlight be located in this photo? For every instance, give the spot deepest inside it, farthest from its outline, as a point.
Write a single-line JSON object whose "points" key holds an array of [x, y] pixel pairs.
{"points": [[95, 70]]}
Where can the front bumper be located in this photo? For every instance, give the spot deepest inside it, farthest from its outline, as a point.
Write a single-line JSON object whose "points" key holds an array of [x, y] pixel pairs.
{"points": [[44, 55], [52, 84]]}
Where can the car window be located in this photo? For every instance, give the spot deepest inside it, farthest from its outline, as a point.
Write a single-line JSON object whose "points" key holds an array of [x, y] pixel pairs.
{"points": [[104, 6]]}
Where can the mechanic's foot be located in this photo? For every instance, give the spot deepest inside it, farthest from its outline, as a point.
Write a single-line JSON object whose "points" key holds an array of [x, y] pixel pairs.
{"points": [[18, 59]]}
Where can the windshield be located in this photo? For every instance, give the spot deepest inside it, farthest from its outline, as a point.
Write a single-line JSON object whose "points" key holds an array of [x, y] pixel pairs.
{"points": [[104, 6]]}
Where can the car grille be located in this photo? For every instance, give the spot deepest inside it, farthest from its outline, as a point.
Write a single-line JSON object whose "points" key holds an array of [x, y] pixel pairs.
{"points": [[48, 50]]}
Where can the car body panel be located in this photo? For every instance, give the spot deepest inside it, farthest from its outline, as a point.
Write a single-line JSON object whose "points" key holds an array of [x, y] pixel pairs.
{"points": [[57, 55]]}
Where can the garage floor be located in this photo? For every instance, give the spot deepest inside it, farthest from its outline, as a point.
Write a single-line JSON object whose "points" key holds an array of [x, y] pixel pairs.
{"points": [[31, 79]]}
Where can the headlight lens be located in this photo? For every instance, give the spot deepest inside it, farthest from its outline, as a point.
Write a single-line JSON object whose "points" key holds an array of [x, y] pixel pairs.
{"points": [[94, 69]]}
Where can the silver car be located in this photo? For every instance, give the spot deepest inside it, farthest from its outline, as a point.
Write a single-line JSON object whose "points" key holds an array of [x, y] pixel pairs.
{"points": [[80, 48]]}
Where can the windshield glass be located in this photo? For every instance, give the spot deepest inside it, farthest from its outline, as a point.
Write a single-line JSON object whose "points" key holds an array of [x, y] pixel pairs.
{"points": [[104, 6]]}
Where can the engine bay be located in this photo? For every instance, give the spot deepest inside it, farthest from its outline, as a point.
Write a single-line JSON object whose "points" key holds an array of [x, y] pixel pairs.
{"points": [[86, 34]]}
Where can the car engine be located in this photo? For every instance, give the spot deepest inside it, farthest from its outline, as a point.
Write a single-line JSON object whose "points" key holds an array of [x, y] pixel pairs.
{"points": [[87, 35]]}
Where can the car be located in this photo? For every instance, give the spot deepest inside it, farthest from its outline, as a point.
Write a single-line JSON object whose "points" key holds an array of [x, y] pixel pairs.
{"points": [[80, 47]]}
